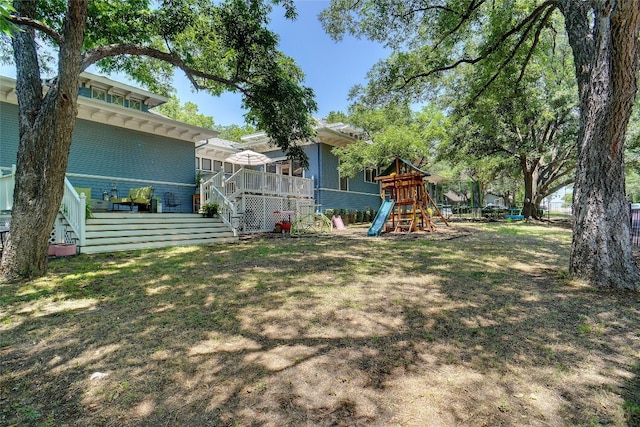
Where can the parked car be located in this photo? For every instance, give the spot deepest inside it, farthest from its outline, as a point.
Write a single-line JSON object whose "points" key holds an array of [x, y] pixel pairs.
{"points": [[493, 207], [493, 210]]}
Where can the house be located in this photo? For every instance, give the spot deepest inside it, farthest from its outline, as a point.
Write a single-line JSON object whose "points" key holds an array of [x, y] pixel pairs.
{"points": [[256, 194], [119, 145], [331, 191], [118, 142]]}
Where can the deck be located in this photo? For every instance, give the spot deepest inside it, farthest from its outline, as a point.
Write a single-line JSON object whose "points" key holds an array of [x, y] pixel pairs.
{"points": [[250, 200]]}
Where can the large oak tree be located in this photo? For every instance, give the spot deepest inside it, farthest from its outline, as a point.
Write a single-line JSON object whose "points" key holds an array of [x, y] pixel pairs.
{"points": [[431, 37], [533, 121], [219, 46]]}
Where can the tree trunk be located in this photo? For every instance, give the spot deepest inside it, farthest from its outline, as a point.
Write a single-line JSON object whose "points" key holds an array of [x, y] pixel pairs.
{"points": [[529, 208], [606, 61], [45, 125]]}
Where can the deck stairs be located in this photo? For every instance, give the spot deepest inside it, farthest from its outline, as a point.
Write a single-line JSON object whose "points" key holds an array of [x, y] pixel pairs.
{"points": [[112, 231]]}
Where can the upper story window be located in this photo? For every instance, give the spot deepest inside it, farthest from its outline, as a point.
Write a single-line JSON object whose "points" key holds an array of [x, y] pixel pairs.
{"points": [[117, 99], [217, 165], [100, 94], [135, 104], [370, 174]]}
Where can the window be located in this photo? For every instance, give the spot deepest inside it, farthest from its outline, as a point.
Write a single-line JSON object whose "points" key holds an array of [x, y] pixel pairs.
{"points": [[197, 162], [370, 174], [99, 94], [117, 99], [217, 165], [285, 168], [228, 168], [206, 164], [344, 183], [135, 104], [297, 169], [270, 167]]}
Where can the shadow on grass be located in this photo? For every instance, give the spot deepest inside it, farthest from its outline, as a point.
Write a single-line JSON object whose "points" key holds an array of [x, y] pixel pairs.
{"points": [[319, 332]]}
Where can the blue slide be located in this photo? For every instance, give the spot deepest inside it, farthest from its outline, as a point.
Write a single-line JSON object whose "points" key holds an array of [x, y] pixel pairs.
{"points": [[381, 218]]}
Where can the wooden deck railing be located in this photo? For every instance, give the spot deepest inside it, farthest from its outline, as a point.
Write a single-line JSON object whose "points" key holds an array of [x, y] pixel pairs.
{"points": [[228, 192], [256, 182]]}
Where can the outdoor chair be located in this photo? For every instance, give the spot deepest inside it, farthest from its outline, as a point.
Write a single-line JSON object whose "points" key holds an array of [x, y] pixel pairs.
{"points": [[140, 197], [170, 201]]}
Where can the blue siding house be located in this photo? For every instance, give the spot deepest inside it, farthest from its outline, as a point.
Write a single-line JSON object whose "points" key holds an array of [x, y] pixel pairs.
{"points": [[331, 191], [118, 142]]}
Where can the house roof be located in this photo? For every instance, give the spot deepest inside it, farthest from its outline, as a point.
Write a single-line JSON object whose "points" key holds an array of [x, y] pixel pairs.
{"points": [[436, 179], [216, 148], [392, 168], [95, 110], [454, 197], [334, 134]]}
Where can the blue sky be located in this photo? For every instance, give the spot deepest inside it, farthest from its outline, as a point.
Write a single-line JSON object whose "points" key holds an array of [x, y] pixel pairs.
{"points": [[331, 68]]}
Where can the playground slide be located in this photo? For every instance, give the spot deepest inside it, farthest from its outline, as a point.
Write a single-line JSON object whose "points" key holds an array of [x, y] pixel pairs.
{"points": [[381, 218]]}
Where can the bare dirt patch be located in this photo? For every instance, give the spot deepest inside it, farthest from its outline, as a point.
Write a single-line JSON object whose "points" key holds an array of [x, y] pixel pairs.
{"points": [[476, 324]]}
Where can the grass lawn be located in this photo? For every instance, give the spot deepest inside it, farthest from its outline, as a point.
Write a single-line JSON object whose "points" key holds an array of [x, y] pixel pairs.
{"points": [[474, 325]]}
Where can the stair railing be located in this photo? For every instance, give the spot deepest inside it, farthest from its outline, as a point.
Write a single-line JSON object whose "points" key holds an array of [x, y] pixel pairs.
{"points": [[211, 191], [74, 210]]}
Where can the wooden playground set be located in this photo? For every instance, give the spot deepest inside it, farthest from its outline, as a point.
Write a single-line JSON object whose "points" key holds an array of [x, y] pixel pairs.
{"points": [[406, 205]]}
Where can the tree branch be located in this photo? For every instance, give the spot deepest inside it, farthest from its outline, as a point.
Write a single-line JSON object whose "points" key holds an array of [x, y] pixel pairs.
{"points": [[506, 61], [528, 22], [425, 9], [463, 18], [92, 56], [536, 40], [36, 25]]}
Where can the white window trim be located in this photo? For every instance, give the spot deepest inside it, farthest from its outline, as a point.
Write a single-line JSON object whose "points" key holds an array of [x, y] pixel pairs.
{"points": [[98, 93], [371, 181], [202, 162], [340, 177], [117, 96], [139, 108]]}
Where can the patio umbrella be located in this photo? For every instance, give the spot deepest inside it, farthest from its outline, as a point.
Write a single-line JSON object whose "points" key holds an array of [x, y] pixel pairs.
{"points": [[248, 158]]}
